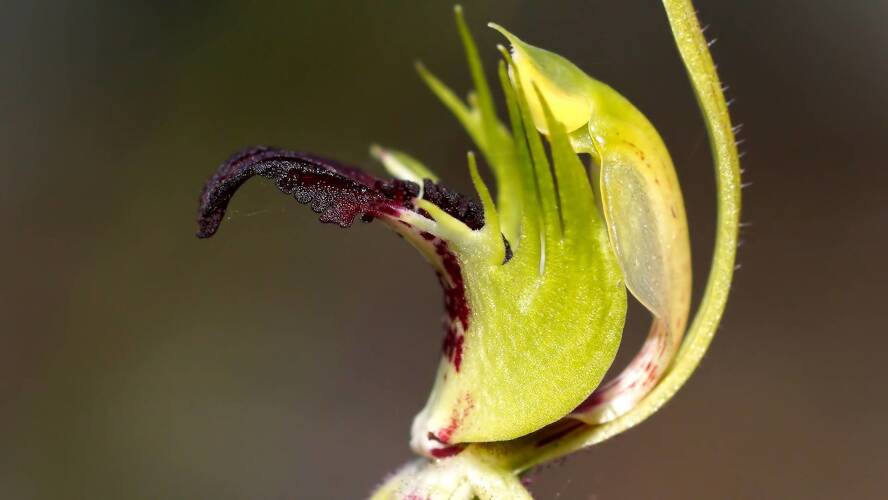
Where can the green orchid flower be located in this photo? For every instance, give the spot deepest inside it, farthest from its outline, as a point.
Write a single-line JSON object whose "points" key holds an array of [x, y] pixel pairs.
{"points": [[535, 282]]}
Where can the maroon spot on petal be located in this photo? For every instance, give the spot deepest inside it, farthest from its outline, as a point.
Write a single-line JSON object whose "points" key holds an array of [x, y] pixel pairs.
{"points": [[425, 213], [452, 346], [455, 304], [465, 405], [447, 451], [651, 377], [457, 352], [443, 436], [455, 293]]}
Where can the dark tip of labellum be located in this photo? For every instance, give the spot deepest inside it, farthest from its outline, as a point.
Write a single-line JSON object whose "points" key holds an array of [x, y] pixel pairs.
{"points": [[337, 192]]}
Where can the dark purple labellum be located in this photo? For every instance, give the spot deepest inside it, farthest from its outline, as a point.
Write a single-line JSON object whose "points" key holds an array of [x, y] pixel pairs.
{"points": [[337, 192]]}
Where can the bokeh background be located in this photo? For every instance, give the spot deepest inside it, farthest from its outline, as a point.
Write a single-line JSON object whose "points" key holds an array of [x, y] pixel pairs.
{"points": [[285, 359]]}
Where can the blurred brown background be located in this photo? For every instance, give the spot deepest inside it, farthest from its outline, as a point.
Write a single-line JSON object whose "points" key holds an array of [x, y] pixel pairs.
{"points": [[285, 359]]}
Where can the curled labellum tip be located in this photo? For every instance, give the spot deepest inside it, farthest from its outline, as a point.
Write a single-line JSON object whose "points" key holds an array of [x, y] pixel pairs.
{"points": [[337, 192]]}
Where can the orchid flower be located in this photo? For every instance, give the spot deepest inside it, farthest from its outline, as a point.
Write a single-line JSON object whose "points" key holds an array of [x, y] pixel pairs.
{"points": [[535, 282]]}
